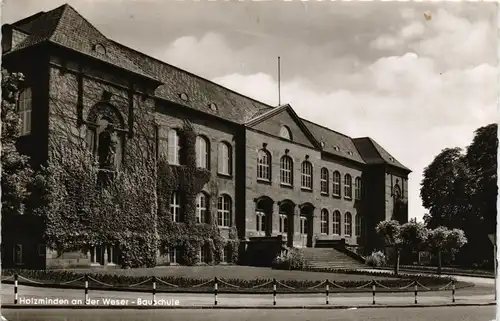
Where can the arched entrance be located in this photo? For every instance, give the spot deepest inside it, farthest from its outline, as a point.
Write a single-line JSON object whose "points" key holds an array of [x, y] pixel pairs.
{"points": [[264, 215], [286, 220], [306, 224]]}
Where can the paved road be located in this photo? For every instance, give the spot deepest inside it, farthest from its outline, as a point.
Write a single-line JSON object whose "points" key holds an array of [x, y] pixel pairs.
{"points": [[380, 314]]}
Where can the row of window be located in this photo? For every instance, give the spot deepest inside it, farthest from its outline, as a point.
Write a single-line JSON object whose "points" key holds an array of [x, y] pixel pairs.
{"points": [[202, 214], [306, 181], [325, 226], [224, 153]]}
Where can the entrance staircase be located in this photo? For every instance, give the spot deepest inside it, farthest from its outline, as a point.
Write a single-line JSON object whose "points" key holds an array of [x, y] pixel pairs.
{"points": [[329, 258]]}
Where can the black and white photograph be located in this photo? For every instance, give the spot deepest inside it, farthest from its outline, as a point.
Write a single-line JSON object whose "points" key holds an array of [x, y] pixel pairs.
{"points": [[249, 160]]}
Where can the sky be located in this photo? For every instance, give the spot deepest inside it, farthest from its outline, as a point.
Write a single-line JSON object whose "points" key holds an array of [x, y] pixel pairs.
{"points": [[417, 77]]}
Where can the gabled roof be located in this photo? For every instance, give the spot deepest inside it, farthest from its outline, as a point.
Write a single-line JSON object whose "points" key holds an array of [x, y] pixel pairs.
{"points": [[373, 153], [335, 143], [65, 27], [262, 116]]}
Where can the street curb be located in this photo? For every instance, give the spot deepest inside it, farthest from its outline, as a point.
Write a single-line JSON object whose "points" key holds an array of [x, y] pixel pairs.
{"points": [[231, 307]]}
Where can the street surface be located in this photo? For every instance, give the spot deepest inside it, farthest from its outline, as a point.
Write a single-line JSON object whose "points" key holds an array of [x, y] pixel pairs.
{"points": [[379, 314]]}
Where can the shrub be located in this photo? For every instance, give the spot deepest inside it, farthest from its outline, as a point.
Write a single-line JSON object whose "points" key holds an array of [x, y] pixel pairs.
{"points": [[293, 260], [376, 259]]}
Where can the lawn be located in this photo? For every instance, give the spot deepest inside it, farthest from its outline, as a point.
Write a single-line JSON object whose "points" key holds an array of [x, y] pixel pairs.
{"points": [[232, 272]]}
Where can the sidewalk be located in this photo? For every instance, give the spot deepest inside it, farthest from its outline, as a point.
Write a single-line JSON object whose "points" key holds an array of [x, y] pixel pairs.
{"points": [[39, 297]]}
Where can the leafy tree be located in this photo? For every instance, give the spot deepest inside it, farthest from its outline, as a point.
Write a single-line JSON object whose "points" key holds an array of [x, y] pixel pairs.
{"points": [[441, 190], [441, 240], [16, 171], [391, 232], [413, 235]]}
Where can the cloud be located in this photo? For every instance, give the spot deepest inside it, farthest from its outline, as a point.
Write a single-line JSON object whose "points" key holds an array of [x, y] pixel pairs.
{"points": [[414, 104]]}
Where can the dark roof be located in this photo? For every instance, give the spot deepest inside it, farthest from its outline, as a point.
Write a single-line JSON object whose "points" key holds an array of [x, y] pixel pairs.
{"points": [[201, 92], [66, 27], [373, 153], [335, 143]]}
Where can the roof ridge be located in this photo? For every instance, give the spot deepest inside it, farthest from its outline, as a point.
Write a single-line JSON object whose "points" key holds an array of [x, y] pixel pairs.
{"points": [[193, 74]]}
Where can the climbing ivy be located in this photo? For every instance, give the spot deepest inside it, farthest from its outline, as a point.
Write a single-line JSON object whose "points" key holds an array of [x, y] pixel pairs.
{"points": [[188, 181]]}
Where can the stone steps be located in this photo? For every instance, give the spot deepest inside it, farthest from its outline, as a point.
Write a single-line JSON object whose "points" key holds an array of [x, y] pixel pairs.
{"points": [[328, 258]]}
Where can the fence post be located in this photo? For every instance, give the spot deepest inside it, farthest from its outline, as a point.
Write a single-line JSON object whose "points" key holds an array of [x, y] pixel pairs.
{"points": [[453, 291], [154, 290], [86, 288], [15, 288], [373, 291], [215, 290], [327, 292], [274, 291], [416, 292]]}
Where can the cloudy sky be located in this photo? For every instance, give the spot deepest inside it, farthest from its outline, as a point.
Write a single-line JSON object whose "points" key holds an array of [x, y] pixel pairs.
{"points": [[415, 84]]}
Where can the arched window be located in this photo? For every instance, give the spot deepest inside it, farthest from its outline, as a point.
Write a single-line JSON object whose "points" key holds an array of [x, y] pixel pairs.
{"points": [[336, 223], [201, 208], [224, 211], [359, 225], [202, 152], [348, 224], [175, 207], [174, 147], [285, 133], [307, 175], [224, 159], [24, 107], [357, 188], [324, 221], [264, 165], [336, 183], [324, 180], [348, 186], [397, 192], [260, 217], [286, 170]]}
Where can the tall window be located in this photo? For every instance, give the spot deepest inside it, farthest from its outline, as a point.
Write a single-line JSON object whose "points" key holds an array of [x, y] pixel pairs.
{"points": [[348, 224], [202, 154], [348, 186], [324, 180], [336, 223], [203, 254], [303, 224], [24, 107], [357, 188], [174, 148], [397, 192], [260, 219], [359, 225], [286, 170], [285, 133], [224, 211], [224, 158], [264, 165], [18, 254], [201, 208], [283, 228], [324, 221], [307, 175], [175, 207], [174, 254], [336, 183]]}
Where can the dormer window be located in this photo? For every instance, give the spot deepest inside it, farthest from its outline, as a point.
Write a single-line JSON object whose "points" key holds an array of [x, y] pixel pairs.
{"points": [[285, 133], [100, 49], [184, 96], [213, 107], [336, 148]]}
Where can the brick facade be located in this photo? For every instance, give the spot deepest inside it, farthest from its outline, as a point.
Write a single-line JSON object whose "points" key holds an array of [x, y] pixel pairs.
{"points": [[68, 85]]}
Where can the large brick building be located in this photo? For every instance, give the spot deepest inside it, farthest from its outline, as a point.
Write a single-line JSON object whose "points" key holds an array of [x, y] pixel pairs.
{"points": [[277, 174]]}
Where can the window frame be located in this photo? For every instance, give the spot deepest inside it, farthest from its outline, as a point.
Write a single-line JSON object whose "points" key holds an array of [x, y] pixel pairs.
{"points": [[348, 224], [202, 156], [175, 207], [337, 224], [264, 162], [337, 184], [324, 222], [348, 186], [24, 110], [286, 161], [324, 180], [306, 177], [224, 159], [174, 147], [223, 214], [201, 211], [357, 188]]}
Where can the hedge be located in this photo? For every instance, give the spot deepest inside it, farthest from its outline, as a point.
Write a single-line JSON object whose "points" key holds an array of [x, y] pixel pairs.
{"points": [[53, 278]]}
